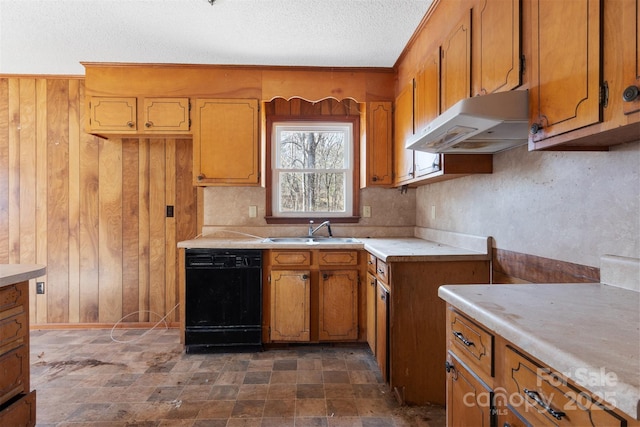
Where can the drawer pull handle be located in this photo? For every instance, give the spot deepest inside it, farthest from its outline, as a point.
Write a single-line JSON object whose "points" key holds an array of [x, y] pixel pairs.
{"points": [[381, 271], [536, 398], [463, 339]]}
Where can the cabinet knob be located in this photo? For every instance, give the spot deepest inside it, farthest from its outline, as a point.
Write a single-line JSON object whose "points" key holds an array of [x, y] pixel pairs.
{"points": [[148, 124], [305, 277], [630, 93], [325, 276], [130, 124], [448, 366], [374, 178], [535, 128]]}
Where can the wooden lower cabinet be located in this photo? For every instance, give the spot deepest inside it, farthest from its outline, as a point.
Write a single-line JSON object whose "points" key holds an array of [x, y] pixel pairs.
{"points": [[314, 295], [290, 313], [509, 388], [382, 330], [469, 399], [17, 401], [338, 305], [409, 320]]}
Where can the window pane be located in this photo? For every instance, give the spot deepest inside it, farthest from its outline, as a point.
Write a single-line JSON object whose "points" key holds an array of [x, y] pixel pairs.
{"points": [[312, 192], [311, 150]]}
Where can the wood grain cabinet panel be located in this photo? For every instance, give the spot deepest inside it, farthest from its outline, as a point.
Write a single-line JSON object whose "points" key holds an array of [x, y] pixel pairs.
{"points": [[377, 154], [497, 52], [338, 305], [565, 66], [403, 129], [226, 148], [22, 413], [290, 305], [113, 115], [544, 398], [469, 400], [17, 401], [455, 79], [166, 115]]}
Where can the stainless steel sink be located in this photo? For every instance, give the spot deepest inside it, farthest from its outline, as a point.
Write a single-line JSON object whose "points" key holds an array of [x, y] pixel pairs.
{"points": [[315, 240]]}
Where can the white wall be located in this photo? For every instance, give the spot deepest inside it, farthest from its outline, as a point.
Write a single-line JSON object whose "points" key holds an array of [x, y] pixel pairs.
{"points": [[570, 206]]}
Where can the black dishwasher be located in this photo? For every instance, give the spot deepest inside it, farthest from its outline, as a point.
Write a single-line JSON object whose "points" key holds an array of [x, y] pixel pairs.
{"points": [[223, 300]]}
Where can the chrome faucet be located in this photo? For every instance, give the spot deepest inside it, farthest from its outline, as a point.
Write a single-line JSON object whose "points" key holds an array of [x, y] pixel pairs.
{"points": [[324, 224]]}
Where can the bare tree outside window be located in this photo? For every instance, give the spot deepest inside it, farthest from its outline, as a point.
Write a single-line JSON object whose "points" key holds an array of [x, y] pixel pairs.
{"points": [[312, 168]]}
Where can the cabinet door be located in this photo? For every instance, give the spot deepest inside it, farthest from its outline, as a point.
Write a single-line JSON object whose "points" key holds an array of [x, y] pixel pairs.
{"points": [[469, 400], [382, 330], [427, 108], [167, 115], [371, 311], [112, 115], [565, 66], [403, 119], [631, 34], [379, 145], [497, 56], [290, 295], [226, 149], [455, 80], [338, 305]]}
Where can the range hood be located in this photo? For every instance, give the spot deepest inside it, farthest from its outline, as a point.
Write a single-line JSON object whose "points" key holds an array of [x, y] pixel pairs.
{"points": [[481, 124]]}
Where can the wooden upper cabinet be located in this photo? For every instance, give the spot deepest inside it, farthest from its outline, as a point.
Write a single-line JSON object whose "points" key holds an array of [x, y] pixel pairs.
{"points": [[496, 47], [113, 115], [167, 115], [565, 66], [226, 147], [631, 36], [403, 120], [121, 116], [455, 79], [378, 149], [427, 107]]}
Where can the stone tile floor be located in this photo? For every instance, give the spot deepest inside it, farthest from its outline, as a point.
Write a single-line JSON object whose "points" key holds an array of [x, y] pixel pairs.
{"points": [[143, 378]]}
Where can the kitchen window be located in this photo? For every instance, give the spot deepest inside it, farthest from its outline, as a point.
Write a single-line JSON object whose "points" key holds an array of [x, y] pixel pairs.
{"points": [[312, 169]]}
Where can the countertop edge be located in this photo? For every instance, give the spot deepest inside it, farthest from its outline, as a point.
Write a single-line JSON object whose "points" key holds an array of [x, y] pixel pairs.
{"points": [[15, 273], [541, 350]]}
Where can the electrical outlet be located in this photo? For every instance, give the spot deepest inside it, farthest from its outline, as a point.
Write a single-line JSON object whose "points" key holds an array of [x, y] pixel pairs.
{"points": [[40, 288], [433, 211], [366, 211], [253, 211]]}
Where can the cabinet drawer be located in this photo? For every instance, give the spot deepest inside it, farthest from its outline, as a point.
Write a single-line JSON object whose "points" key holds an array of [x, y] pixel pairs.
{"points": [[471, 343], [20, 413], [14, 373], [333, 257], [12, 332], [371, 263], [544, 398], [12, 299], [382, 271], [291, 258]]}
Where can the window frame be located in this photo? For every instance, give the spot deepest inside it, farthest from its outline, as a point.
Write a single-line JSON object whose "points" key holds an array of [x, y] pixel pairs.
{"points": [[355, 156]]}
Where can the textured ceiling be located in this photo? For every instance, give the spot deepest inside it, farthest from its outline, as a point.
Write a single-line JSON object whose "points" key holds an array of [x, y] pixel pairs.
{"points": [[53, 36]]}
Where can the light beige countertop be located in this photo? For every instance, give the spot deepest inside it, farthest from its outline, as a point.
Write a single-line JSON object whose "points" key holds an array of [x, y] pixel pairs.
{"points": [[16, 273], [428, 245], [408, 249], [579, 330]]}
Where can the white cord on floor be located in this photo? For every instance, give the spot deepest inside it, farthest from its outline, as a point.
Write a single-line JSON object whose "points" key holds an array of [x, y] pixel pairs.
{"points": [[152, 328]]}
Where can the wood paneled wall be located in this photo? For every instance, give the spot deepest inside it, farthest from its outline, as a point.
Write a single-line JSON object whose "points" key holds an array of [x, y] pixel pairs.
{"points": [[92, 210]]}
